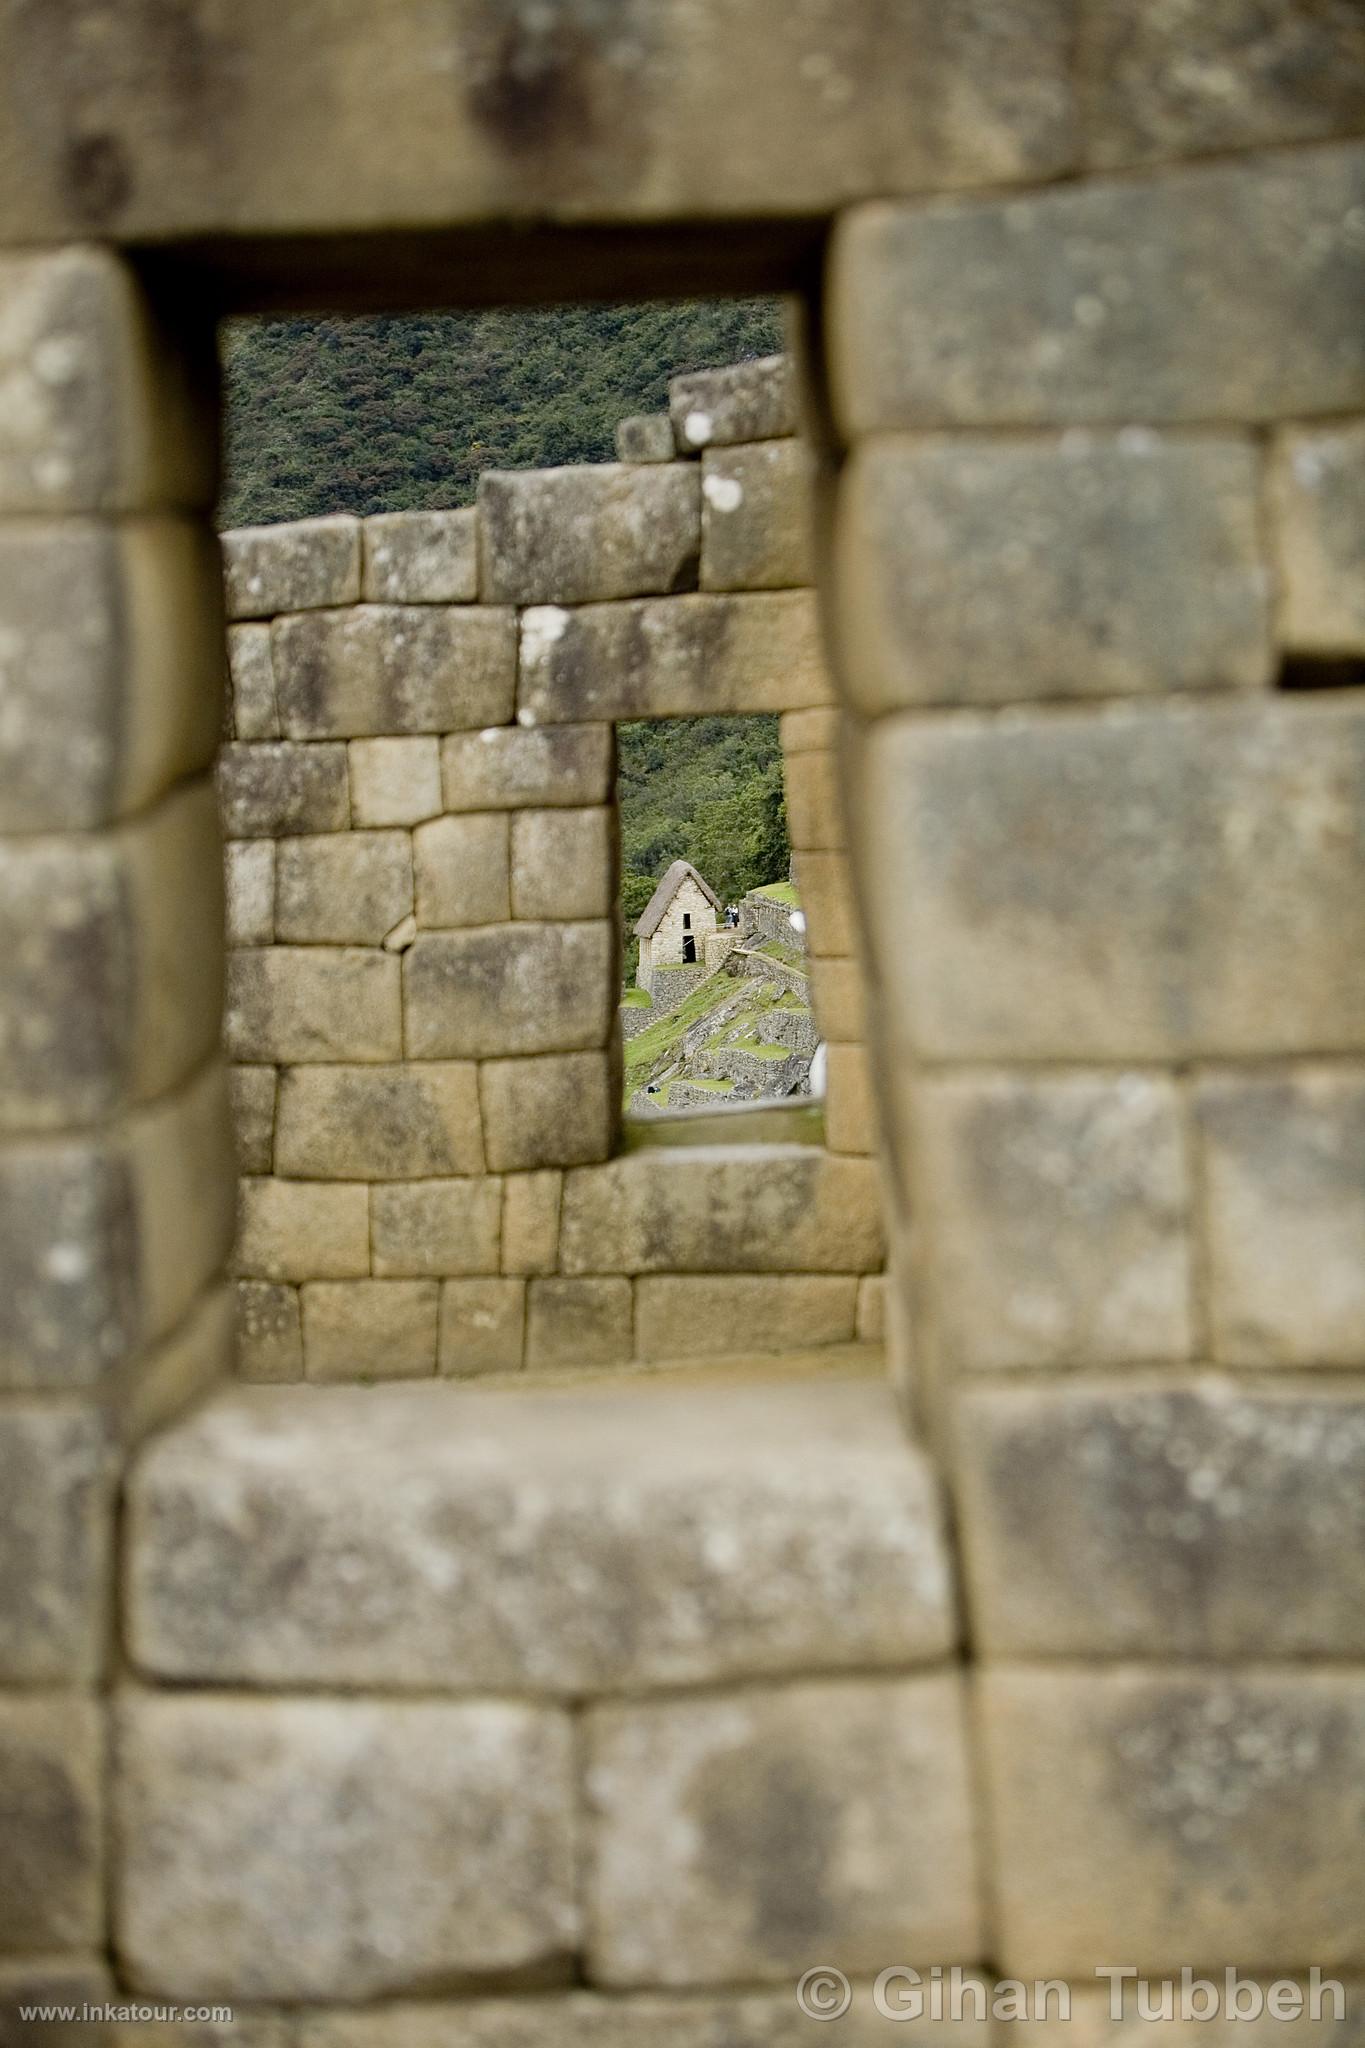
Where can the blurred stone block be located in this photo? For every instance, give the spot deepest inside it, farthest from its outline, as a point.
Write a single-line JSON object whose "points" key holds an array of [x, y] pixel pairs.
{"points": [[851, 1119], [275, 791], [512, 769], [1317, 496], [757, 517], [301, 1003], [395, 781], [51, 1873], [753, 401], [483, 1327], [815, 810], [379, 1122], [578, 1323], [839, 999], [530, 1222], [574, 535], [696, 1315], [645, 437], [249, 875], [56, 1475], [369, 1329], [558, 1110], [70, 1307], [421, 558], [393, 669], [297, 565], [437, 1226], [269, 1331], [826, 891], [253, 1117], [344, 888], [519, 988], [302, 1230], [565, 863], [463, 870]]}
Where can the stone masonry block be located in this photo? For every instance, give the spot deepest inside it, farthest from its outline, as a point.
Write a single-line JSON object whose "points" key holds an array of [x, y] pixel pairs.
{"points": [[55, 1511], [831, 1819], [269, 1331], [697, 1315], [839, 998], [113, 641], [379, 1122], [50, 1795], [709, 654], [754, 401], [585, 1323], [1284, 1190], [980, 571], [645, 437], [69, 1309], [1057, 1209], [521, 988], [827, 899], [1226, 291], [299, 565], [530, 1221], [395, 781], [814, 731], [249, 877], [56, 1980], [394, 669], [757, 517], [851, 1119], [512, 769], [369, 1329], [302, 1230], [182, 1171], [1210, 1520], [273, 791], [345, 888], [253, 1117], [1146, 882], [311, 1537], [341, 1849], [815, 810], [294, 1003], [1317, 497], [198, 1356], [255, 715], [576, 535], [562, 1109], [565, 863], [722, 1209], [421, 558], [1153, 1814], [437, 1226], [872, 1316], [483, 1327], [463, 870]]}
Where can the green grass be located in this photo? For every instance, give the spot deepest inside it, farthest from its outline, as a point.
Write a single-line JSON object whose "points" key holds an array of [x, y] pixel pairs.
{"points": [[775, 950], [769, 1052], [649, 1045], [637, 999], [779, 892]]}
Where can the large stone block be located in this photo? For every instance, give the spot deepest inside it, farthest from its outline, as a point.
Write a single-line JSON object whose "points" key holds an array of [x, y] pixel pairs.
{"points": [[254, 715], [379, 1122], [1145, 882], [645, 437], [1150, 1816], [519, 988], [51, 1865], [355, 1535], [182, 1169], [483, 1327], [852, 1121], [565, 863], [704, 655], [815, 810], [754, 401], [530, 1222], [249, 877], [421, 558], [840, 1000], [462, 866], [317, 1849], [757, 521], [826, 891], [560, 1110], [273, 791], [1203, 1521], [512, 769], [830, 1819], [289, 1003], [980, 571], [252, 1091], [570, 536], [344, 888], [302, 1230], [437, 1226], [1225, 291], [296, 566], [722, 1209], [395, 781], [69, 1309], [695, 1315], [269, 1331], [1317, 497], [72, 1981], [55, 1512], [369, 1329], [197, 1356], [1057, 1207], [1283, 1173], [393, 669], [585, 1323]]}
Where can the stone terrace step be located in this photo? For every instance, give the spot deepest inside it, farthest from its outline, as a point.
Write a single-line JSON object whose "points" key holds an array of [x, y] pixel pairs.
{"points": [[560, 1542]]}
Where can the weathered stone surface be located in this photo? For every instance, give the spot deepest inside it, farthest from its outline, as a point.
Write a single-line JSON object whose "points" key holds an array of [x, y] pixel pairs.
{"points": [[299, 565], [827, 899], [1153, 1814], [1284, 1194], [1222, 291], [369, 1329], [437, 1226], [463, 870], [301, 1230], [560, 1110], [510, 769], [1176, 79], [252, 684], [249, 874], [707, 654], [274, 791], [379, 1122], [530, 1222], [1057, 1207], [851, 1120], [519, 988], [1317, 495], [722, 1209], [395, 781], [50, 1794], [199, 1354], [815, 811], [346, 1535], [290, 1003], [757, 517], [69, 1309], [421, 558], [571, 536], [645, 437], [55, 1476], [347, 888], [815, 730], [182, 1166], [565, 863], [980, 571], [253, 1117], [831, 1819], [483, 1327], [872, 1311], [754, 401], [696, 1315], [393, 669], [58, 1980], [839, 998], [269, 1331], [578, 1323], [1146, 882], [328, 1848], [1208, 1521]]}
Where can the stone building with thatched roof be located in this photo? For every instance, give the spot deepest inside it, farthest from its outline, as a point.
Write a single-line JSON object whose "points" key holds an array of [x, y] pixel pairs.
{"points": [[676, 921]]}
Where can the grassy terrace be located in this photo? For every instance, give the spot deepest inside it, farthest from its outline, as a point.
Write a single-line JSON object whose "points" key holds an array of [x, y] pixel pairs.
{"points": [[643, 1050], [636, 999], [780, 892]]}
